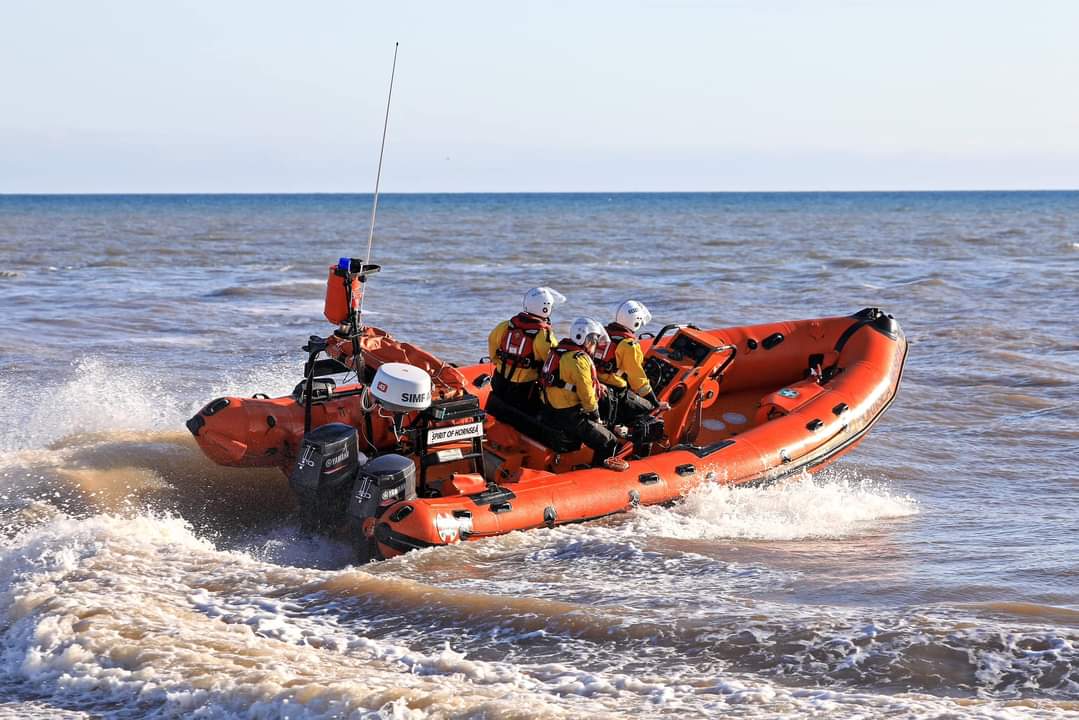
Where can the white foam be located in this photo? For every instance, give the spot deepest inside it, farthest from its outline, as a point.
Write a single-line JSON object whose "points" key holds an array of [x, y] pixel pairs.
{"points": [[834, 505], [288, 545], [102, 396], [141, 610], [274, 379], [99, 397]]}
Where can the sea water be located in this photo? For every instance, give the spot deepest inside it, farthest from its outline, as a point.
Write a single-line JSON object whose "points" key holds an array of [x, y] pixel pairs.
{"points": [[932, 572]]}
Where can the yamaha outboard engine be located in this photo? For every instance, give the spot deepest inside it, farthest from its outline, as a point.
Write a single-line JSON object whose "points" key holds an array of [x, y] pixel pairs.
{"points": [[384, 481], [324, 475]]}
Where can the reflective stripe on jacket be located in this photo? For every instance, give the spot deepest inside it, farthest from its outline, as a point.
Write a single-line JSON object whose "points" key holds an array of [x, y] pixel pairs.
{"points": [[575, 384], [519, 346]]}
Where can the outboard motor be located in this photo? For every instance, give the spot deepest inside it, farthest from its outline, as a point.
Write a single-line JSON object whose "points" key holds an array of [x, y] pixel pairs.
{"points": [[384, 481], [324, 475]]}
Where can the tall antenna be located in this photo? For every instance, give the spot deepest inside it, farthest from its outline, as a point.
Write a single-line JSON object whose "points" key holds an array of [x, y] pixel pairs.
{"points": [[378, 175], [356, 325]]}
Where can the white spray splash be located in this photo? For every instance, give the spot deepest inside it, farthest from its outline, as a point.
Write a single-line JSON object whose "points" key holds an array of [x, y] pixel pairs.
{"points": [[829, 506], [101, 396]]}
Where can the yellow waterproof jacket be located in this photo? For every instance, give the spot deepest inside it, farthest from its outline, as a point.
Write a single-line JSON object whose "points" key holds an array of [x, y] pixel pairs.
{"points": [[629, 360], [576, 371], [541, 340]]}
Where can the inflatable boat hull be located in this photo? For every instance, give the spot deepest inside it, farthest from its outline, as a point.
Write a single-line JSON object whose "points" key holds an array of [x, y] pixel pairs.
{"points": [[748, 405]]}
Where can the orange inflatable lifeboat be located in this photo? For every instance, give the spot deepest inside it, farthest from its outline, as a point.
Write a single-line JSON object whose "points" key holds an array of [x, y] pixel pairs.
{"points": [[748, 405]]}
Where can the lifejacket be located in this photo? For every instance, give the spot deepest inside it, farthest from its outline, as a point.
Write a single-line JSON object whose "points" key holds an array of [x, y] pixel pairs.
{"points": [[516, 349], [606, 362], [551, 376]]}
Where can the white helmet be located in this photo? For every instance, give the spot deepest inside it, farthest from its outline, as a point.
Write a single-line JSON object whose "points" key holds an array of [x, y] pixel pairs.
{"points": [[632, 315], [585, 329], [541, 301]]}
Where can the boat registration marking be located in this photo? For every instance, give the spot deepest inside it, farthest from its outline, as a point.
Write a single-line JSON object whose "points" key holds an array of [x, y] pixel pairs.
{"points": [[454, 432]]}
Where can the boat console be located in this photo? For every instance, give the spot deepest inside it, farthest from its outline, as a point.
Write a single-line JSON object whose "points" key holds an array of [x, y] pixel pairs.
{"points": [[663, 363], [685, 370], [688, 349]]}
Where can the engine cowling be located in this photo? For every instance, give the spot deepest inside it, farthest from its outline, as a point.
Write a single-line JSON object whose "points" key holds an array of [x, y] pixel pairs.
{"points": [[325, 472], [381, 483]]}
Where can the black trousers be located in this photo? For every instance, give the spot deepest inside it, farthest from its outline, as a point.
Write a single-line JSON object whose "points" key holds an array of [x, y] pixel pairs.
{"points": [[522, 396], [575, 423], [622, 406]]}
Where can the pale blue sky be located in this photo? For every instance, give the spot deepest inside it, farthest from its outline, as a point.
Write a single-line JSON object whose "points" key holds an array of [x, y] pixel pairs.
{"points": [[187, 96]]}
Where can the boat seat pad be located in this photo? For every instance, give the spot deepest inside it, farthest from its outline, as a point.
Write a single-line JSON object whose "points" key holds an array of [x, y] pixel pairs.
{"points": [[530, 426]]}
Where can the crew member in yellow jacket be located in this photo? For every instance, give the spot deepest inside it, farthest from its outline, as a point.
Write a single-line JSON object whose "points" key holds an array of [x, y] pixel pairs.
{"points": [[519, 346], [571, 392], [620, 364]]}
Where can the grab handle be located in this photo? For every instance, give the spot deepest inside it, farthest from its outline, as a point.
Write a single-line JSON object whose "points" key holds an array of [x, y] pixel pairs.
{"points": [[726, 363]]}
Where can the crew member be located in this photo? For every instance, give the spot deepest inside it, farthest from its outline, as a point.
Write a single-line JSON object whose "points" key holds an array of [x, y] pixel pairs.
{"points": [[620, 363], [571, 390], [519, 346]]}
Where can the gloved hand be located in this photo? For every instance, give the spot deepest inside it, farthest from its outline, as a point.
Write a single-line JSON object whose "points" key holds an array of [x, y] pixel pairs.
{"points": [[663, 406]]}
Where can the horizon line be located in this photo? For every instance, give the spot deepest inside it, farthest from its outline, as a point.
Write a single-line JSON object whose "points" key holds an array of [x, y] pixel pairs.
{"points": [[243, 193]]}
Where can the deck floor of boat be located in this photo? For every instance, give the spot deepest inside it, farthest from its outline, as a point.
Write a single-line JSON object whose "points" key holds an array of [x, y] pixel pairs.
{"points": [[731, 414]]}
